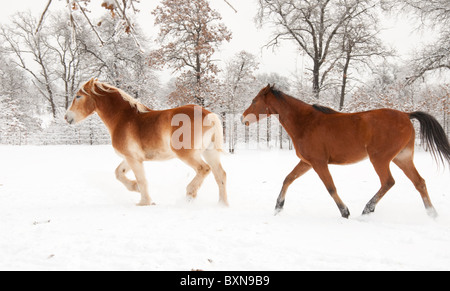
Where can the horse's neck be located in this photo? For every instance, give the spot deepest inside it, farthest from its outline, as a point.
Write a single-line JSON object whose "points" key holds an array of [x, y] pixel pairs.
{"points": [[292, 113], [112, 110]]}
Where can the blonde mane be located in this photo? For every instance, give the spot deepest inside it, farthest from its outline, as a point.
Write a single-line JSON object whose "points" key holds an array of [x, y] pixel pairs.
{"points": [[98, 88]]}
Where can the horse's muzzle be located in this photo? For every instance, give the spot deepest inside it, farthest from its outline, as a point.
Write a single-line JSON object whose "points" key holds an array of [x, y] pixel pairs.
{"points": [[244, 121], [69, 118]]}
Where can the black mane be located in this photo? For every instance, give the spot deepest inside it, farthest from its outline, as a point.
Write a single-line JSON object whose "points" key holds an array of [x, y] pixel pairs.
{"points": [[277, 93], [323, 109], [280, 95]]}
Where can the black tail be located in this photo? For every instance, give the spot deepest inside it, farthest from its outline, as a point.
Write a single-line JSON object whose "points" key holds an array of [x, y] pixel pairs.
{"points": [[433, 135]]}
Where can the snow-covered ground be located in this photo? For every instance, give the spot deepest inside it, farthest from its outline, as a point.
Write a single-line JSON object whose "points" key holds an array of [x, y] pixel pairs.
{"points": [[62, 209]]}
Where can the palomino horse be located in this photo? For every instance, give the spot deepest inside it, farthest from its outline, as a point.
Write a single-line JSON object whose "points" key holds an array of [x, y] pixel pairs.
{"points": [[323, 136], [139, 134]]}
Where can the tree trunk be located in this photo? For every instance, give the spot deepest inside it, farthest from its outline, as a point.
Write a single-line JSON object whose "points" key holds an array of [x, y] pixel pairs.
{"points": [[344, 78], [200, 100], [224, 126], [281, 137], [247, 135], [316, 80]]}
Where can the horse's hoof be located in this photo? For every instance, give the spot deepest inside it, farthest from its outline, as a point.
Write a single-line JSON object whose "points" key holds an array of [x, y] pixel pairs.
{"points": [[223, 203], [367, 212], [141, 204], [369, 209], [432, 213], [278, 210], [279, 207], [345, 213], [190, 199]]}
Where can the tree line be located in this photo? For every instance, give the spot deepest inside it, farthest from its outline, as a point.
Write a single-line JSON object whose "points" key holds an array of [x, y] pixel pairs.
{"points": [[45, 59]]}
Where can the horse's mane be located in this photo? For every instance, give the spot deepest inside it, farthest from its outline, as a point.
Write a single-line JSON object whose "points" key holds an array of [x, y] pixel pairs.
{"points": [[280, 95], [98, 88], [323, 109]]}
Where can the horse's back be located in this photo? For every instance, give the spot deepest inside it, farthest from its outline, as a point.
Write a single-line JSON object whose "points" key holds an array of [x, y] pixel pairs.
{"points": [[351, 137], [191, 109]]}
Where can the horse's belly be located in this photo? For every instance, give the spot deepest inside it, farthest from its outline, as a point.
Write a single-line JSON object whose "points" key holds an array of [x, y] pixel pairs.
{"points": [[155, 155], [348, 158]]}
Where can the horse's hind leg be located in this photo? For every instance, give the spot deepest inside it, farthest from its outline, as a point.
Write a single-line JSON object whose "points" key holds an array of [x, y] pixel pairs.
{"points": [[299, 171], [324, 174], [387, 182], [201, 168], [121, 172], [405, 162], [212, 157]]}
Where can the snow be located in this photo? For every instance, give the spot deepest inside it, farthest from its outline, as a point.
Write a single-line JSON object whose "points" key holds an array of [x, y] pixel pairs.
{"points": [[62, 209]]}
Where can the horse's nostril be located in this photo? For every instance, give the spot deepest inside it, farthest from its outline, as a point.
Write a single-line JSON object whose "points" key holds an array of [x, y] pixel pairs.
{"points": [[245, 121]]}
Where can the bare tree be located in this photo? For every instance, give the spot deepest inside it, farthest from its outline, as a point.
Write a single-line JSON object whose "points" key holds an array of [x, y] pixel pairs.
{"points": [[72, 63], [190, 33], [28, 45], [16, 113], [435, 14], [122, 9], [117, 8], [57, 65], [239, 82], [315, 27], [362, 46], [120, 62], [240, 78]]}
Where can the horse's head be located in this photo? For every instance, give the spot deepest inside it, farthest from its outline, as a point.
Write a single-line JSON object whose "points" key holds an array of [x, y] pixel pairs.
{"points": [[259, 107], [83, 104]]}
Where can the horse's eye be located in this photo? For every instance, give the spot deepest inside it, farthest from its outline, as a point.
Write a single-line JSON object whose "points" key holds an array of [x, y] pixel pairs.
{"points": [[79, 97]]}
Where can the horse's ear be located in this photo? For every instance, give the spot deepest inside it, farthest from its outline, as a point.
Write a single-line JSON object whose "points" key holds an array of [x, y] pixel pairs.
{"points": [[92, 82], [273, 86]]}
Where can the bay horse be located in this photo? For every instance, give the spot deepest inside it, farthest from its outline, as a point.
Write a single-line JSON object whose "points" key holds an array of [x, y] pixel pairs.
{"points": [[140, 134], [322, 136]]}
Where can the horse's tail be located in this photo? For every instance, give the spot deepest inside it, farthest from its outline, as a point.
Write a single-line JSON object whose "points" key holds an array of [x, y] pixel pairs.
{"points": [[433, 135], [217, 131]]}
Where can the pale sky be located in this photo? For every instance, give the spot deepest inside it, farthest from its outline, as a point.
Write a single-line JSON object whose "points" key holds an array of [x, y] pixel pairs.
{"points": [[284, 60]]}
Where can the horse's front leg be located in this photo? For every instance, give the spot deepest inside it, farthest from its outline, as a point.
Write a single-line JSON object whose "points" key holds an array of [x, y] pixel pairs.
{"points": [[324, 174], [138, 170], [299, 171], [121, 173]]}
